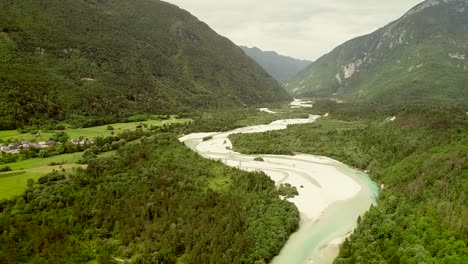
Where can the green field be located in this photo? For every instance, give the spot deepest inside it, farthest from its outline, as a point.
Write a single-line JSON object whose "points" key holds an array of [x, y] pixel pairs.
{"points": [[90, 132], [14, 182]]}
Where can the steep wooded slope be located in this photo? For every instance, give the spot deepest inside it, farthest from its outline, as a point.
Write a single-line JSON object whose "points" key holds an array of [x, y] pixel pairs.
{"points": [[422, 57], [60, 59]]}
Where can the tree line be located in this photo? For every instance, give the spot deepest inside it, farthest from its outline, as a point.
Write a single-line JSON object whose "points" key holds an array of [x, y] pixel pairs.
{"points": [[154, 202], [420, 159]]}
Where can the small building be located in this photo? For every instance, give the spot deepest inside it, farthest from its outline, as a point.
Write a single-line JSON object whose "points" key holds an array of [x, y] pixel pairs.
{"points": [[14, 146]]}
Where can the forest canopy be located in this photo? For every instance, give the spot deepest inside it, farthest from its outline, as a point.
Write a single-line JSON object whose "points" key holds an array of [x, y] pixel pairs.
{"points": [[155, 202], [109, 60], [419, 157]]}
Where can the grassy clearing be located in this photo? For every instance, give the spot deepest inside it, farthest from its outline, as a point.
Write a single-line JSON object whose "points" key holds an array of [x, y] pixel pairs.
{"points": [[90, 132], [14, 182], [5, 134], [40, 162], [118, 127]]}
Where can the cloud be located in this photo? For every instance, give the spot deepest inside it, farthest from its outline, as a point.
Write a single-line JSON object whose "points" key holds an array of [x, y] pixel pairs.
{"points": [[304, 29]]}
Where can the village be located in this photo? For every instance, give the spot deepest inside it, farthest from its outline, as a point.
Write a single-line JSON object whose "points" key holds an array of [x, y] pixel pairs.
{"points": [[15, 148]]}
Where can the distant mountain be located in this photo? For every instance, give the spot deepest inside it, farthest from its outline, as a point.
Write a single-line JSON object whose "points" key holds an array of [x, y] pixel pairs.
{"points": [[114, 58], [421, 57], [282, 68]]}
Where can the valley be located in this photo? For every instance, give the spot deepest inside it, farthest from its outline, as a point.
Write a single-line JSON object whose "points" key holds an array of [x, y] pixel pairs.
{"points": [[331, 196], [410, 154], [416, 59], [14, 182], [135, 132]]}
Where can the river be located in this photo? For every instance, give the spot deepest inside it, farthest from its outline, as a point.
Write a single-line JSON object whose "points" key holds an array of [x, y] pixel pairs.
{"points": [[331, 195]]}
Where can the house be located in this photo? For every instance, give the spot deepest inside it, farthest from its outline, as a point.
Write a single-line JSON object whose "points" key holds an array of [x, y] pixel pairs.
{"points": [[14, 146], [77, 141], [87, 142], [45, 144]]}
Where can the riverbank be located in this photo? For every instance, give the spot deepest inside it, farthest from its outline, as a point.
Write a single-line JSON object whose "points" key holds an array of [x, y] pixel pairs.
{"points": [[325, 188]]}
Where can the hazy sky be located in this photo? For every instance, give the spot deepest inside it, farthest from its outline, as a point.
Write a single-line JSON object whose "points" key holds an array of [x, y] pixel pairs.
{"points": [[304, 29]]}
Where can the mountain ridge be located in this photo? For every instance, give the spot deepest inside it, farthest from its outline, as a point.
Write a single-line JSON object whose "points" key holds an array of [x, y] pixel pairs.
{"points": [[417, 58], [112, 59], [281, 67]]}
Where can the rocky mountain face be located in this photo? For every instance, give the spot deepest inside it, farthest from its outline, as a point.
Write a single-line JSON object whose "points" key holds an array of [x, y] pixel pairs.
{"points": [[282, 68], [114, 58], [421, 57]]}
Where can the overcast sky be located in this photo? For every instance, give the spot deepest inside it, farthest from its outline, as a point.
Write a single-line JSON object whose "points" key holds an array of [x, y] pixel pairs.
{"points": [[305, 29]]}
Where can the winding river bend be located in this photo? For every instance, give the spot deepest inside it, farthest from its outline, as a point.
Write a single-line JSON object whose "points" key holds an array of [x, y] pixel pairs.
{"points": [[331, 195]]}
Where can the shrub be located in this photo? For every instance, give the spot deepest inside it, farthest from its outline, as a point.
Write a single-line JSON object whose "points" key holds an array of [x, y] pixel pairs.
{"points": [[5, 168], [30, 183], [287, 190], [56, 163], [207, 138], [59, 127]]}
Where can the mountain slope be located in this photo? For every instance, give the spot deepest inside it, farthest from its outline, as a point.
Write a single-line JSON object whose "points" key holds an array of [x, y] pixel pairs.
{"points": [[282, 68], [115, 58], [422, 57]]}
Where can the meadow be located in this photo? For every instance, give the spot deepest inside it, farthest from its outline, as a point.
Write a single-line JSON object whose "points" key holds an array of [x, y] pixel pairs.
{"points": [[90, 132], [14, 182]]}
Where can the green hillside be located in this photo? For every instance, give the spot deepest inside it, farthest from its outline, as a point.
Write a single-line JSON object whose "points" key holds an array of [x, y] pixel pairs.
{"points": [[282, 68], [420, 162], [155, 202], [422, 57], [114, 58]]}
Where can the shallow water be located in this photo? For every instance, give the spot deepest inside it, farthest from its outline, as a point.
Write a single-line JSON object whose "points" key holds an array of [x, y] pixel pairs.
{"points": [[331, 194], [310, 244]]}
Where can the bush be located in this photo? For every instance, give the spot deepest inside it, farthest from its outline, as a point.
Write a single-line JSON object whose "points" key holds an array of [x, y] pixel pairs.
{"points": [[259, 159], [52, 177], [106, 147], [30, 183], [88, 155], [56, 163], [61, 137], [287, 190], [43, 153], [109, 127], [207, 138], [59, 127], [5, 168]]}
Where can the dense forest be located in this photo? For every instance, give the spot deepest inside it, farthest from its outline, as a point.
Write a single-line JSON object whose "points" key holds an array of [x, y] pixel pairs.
{"points": [[92, 62], [103, 61], [229, 119], [419, 155], [155, 202]]}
